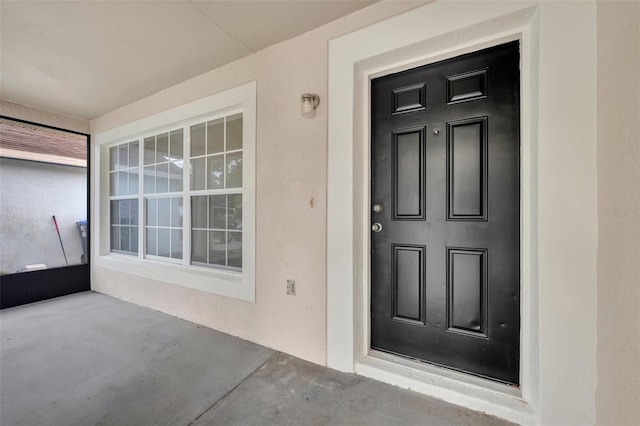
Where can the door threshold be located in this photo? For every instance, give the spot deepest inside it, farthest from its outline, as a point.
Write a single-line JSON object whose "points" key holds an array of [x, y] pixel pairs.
{"points": [[453, 374], [452, 386]]}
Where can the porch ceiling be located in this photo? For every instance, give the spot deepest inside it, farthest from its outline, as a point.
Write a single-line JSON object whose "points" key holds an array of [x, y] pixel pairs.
{"points": [[86, 58]]}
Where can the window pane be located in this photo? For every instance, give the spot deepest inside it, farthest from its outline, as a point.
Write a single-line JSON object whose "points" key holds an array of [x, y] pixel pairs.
{"points": [[115, 238], [124, 238], [234, 247], [164, 211], [133, 181], [197, 139], [216, 220], [217, 248], [234, 132], [125, 213], [115, 212], [218, 211], [176, 143], [152, 212], [152, 241], [176, 243], [162, 178], [215, 167], [234, 220], [123, 183], [134, 211], [215, 136], [176, 212], [113, 157], [150, 179], [234, 170], [162, 148], [199, 246], [164, 246], [175, 175], [112, 183], [134, 151], [199, 212], [198, 174], [150, 150], [123, 156], [134, 239]]}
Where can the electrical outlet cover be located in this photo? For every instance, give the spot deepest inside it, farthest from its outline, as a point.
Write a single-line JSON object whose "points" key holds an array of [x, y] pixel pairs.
{"points": [[291, 287]]}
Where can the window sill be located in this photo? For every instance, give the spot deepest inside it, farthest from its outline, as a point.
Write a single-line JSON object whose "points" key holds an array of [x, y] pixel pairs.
{"points": [[232, 284]]}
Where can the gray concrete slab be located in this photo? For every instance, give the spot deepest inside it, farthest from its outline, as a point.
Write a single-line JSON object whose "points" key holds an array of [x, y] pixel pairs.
{"points": [[290, 391], [89, 359]]}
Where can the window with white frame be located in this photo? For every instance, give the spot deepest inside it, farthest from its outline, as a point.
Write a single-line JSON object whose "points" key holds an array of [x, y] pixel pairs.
{"points": [[163, 189], [176, 195], [214, 191], [123, 190]]}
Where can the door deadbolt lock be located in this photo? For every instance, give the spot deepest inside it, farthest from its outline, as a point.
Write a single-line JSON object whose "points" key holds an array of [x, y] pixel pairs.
{"points": [[376, 227], [377, 208]]}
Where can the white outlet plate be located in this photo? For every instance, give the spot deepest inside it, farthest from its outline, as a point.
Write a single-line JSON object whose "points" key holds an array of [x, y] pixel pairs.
{"points": [[291, 287]]}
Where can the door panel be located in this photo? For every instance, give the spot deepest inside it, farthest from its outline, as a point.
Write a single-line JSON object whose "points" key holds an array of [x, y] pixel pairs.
{"points": [[408, 174], [466, 290], [445, 266], [408, 283], [467, 169]]}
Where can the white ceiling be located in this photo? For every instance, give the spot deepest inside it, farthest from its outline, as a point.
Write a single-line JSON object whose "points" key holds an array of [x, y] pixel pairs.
{"points": [[87, 58]]}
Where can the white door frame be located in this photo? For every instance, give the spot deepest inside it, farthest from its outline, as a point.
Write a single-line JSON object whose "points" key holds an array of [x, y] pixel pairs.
{"points": [[393, 45]]}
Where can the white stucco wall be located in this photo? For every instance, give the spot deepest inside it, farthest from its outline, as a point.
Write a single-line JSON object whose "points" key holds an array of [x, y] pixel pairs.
{"points": [[291, 169], [30, 193], [560, 279], [575, 263], [618, 392]]}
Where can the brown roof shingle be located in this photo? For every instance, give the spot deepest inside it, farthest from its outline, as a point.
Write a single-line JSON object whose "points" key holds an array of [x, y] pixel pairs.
{"points": [[19, 136]]}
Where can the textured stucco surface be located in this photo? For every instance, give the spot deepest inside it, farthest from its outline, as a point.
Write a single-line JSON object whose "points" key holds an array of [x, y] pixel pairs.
{"points": [[291, 169], [30, 193], [559, 374], [567, 213], [618, 392]]}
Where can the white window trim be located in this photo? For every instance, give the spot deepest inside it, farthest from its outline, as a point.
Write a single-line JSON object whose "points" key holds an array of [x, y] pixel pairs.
{"points": [[238, 285]]}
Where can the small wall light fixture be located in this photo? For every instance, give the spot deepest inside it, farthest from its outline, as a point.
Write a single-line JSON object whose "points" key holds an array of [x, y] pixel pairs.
{"points": [[309, 103]]}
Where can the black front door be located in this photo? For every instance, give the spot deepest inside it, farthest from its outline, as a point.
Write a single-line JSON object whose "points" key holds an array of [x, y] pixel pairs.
{"points": [[445, 213]]}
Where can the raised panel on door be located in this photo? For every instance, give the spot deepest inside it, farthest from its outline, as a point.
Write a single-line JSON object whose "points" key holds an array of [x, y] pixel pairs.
{"points": [[467, 291], [467, 169], [408, 269], [408, 173]]}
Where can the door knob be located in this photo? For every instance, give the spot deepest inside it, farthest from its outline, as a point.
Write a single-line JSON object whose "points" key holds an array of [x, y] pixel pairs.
{"points": [[376, 227]]}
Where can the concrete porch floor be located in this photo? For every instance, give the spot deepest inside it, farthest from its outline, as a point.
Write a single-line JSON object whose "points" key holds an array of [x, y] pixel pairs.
{"points": [[89, 359]]}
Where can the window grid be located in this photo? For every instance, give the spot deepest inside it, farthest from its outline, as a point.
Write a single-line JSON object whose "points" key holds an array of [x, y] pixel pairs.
{"points": [[124, 226], [211, 142], [163, 162], [123, 187], [216, 230], [164, 227], [159, 161], [123, 169]]}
